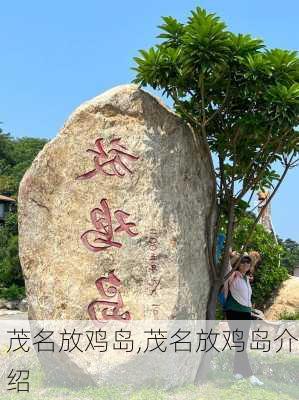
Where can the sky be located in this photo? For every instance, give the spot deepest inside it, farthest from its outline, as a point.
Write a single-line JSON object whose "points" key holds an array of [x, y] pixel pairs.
{"points": [[57, 54]]}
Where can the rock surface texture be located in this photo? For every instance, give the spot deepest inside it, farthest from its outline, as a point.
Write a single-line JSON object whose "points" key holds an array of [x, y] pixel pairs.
{"points": [[157, 175], [113, 215]]}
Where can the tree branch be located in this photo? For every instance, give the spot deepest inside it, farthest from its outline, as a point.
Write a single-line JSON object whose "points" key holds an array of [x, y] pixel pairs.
{"points": [[251, 181], [222, 105], [287, 167]]}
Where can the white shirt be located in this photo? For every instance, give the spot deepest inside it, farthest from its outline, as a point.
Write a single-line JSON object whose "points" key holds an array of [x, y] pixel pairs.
{"points": [[239, 287], [241, 291]]}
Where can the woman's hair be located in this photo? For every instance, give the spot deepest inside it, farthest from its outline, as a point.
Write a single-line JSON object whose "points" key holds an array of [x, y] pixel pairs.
{"points": [[237, 263], [256, 260]]}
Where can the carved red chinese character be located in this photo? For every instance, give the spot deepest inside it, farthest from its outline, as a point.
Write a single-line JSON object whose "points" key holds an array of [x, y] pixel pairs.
{"points": [[101, 238], [112, 162], [110, 303]]}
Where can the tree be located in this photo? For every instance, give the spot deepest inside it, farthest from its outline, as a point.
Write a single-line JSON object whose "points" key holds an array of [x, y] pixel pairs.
{"points": [[242, 100], [16, 155], [10, 267], [290, 256]]}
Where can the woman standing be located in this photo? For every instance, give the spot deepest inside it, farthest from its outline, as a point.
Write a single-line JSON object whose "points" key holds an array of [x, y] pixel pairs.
{"points": [[237, 291]]}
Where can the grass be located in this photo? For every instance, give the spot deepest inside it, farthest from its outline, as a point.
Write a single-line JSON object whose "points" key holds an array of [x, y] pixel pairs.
{"points": [[221, 389], [292, 316], [279, 374], [241, 390]]}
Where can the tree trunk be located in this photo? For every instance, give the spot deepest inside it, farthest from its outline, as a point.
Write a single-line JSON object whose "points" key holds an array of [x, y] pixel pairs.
{"points": [[212, 302], [205, 362], [204, 366]]}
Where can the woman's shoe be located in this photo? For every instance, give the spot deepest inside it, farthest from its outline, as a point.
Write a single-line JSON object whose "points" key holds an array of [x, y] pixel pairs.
{"points": [[238, 376], [255, 381]]}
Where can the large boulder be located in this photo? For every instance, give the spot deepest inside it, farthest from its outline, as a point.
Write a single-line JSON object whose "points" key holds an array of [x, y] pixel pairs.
{"points": [[114, 214], [142, 161]]}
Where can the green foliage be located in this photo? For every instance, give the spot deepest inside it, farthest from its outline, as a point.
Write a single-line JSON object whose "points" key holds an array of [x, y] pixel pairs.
{"points": [[259, 86], [242, 100], [220, 386], [286, 315], [11, 223], [16, 155], [270, 274], [290, 256], [239, 95], [10, 267], [279, 371], [12, 292]]}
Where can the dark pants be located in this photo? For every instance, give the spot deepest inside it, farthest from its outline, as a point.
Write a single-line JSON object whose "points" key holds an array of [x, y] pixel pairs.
{"points": [[241, 362]]}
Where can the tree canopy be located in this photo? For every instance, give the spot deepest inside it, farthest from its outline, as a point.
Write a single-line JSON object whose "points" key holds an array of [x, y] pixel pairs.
{"points": [[241, 99], [16, 155]]}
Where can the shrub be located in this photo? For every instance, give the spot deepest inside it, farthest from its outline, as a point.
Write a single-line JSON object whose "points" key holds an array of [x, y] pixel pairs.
{"points": [[13, 292], [270, 274], [286, 315]]}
